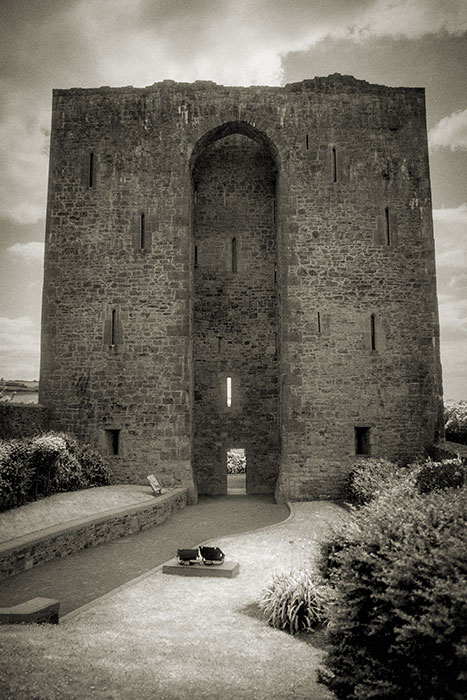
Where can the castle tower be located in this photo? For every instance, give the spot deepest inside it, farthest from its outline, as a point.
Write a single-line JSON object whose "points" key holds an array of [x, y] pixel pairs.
{"points": [[246, 268]]}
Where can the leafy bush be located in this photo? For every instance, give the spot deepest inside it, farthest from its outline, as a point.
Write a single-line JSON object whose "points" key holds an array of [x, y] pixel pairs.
{"points": [[46, 464], [370, 477], [293, 602], [94, 467], [15, 472], [47, 451], [449, 473], [455, 421], [330, 551], [399, 624], [236, 462]]}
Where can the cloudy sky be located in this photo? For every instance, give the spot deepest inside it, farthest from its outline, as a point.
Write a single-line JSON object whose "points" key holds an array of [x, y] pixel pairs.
{"points": [[50, 44]]}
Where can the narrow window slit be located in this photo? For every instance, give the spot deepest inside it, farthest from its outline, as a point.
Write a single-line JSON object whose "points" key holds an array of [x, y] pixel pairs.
{"points": [[113, 325], [142, 231], [91, 169], [319, 322], [229, 392], [196, 256], [388, 226], [373, 331], [234, 255], [307, 143], [334, 164]]}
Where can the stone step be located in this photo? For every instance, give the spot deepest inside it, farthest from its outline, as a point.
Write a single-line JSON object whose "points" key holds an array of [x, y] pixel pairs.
{"points": [[228, 569]]}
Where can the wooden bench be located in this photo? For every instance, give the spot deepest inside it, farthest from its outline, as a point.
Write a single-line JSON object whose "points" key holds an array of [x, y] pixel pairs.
{"points": [[36, 610]]}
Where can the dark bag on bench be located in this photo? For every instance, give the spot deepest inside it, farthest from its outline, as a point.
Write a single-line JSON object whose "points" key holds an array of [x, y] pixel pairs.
{"points": [[187, 556], [212, 555]]}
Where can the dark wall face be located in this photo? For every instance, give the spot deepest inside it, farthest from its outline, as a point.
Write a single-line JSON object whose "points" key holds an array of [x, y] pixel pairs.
{"points": [[235, 313]]}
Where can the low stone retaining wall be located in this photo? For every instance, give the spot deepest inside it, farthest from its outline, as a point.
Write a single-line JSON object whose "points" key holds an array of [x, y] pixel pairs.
{"points": [[449, 450], [25, 552]]}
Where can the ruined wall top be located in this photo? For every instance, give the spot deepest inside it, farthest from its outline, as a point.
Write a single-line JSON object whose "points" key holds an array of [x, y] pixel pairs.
{"points": [[333, 83]]}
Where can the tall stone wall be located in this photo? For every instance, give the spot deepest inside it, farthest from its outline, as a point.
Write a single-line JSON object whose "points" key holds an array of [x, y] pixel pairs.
{"points": [[327, 186]]}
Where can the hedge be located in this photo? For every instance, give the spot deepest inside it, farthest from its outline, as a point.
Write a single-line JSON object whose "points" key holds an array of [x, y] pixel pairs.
{"points": [[455, 421], [35, 467], [399, 623]]}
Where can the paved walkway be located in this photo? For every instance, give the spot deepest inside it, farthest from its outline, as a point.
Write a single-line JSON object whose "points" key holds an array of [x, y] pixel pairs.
{"points": [[182, 638], [82, 577]]}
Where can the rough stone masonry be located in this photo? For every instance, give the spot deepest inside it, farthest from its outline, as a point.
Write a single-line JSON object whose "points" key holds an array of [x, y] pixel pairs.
{"points": [[232, 267]]}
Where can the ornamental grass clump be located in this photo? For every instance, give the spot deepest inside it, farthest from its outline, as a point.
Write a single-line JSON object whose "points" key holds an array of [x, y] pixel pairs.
{"points": [[293, 602]]}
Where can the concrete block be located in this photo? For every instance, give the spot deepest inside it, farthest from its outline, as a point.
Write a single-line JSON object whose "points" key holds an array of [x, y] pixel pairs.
{"points": [[228, 569], [36, 610]]}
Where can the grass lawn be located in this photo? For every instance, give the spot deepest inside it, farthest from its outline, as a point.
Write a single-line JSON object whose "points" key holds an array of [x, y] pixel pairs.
{"points": [[170, 637]]}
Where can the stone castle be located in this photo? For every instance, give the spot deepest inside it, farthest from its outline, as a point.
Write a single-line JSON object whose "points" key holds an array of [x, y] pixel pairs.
{"points": [[232, 267]]}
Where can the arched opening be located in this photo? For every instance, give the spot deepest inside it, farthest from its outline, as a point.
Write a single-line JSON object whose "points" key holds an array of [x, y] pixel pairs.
{"points": [[235, 307]]}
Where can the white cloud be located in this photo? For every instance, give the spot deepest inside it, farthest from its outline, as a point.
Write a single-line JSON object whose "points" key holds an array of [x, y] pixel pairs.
{"points": [[23, 154], [121, 42], [30, 252], [450, 226], [450, 132], [414, 18], [19, 348], [451, 262]]}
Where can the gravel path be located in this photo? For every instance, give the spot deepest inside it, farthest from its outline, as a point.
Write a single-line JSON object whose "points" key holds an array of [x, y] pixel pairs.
{"points": [[178, 638], [80, 578]]}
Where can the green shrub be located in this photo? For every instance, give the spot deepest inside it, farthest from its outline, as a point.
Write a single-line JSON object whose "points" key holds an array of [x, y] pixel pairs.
{"points": [[15, 472], [449, 473], [293, 602], [370, 477], [455, 421], [94, 467], [330, 551], [399, 624], [46, 464], [49, 458], [236, 463]]}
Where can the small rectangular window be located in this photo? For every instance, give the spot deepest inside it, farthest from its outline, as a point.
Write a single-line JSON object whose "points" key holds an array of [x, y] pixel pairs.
{"points": [[196, 256], [307, 142], [319, 322], [362, 441], [112, 438]]}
